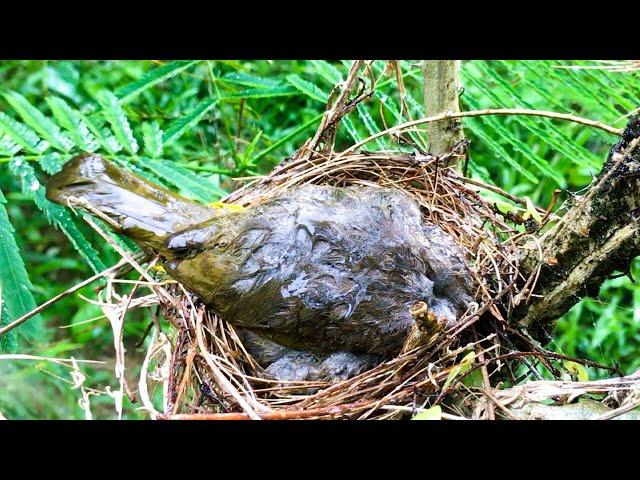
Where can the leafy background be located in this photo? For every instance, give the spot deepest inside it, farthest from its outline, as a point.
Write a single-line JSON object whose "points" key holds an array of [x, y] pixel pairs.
{"points": [[198, 126]]}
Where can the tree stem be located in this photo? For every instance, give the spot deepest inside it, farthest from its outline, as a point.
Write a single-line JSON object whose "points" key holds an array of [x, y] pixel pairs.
{"points": [[441, 87]]}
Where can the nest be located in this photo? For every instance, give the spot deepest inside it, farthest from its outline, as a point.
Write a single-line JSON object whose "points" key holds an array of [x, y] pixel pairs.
{"points": [[212, 375], [207, 373]]}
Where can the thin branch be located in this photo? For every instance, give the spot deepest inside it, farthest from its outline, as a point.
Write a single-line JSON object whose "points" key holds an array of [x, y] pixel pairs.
{"points": [[333, 114], [491, 111], [67, 362], [48, 303]]}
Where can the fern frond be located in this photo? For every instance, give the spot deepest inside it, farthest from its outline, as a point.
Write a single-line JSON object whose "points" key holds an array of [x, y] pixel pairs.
{"points": [[190, 184], [152, 138], [308, 88], [177, 128], [22, 135], [58, 81], [102, 134], [285, 138], [247, 80], [16, 295], [370, 125], [545, 132], [51, 162], [501, 152], [327, 71], [74, 123], [40, 124], [8, 147], [56, 215], [114, 114], [270, 92], [151, 78], [507, 135], [352, 130]]}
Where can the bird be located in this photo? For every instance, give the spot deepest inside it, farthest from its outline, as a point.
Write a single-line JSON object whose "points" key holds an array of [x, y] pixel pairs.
{"points": [[322, 282]]}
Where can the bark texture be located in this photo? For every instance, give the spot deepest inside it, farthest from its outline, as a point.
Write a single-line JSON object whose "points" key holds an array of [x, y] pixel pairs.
{"points": [[441, 86], [598, 236]]}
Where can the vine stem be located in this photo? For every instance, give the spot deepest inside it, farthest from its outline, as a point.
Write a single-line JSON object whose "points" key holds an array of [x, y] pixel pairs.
{"points": [[490, 111], [7, 328]]}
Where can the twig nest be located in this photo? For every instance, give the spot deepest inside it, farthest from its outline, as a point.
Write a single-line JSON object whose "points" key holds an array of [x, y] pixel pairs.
{"points": [[364, 392]]}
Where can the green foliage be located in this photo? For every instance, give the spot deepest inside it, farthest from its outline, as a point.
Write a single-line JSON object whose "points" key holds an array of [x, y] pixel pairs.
{"points": [[113, 112], [558, 154], [177, 128], [21, 135], [196, 125], [308, 88], [151, 78], [15, 293], [152, 135], [605, 329], [73, 122], [189, 183], [56, 215], [41, 124]]}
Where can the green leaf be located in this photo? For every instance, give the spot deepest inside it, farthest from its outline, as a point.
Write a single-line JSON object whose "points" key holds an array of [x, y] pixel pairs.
{"points": [[390, 104], [286, 138], [21, 134], [308, 88], [576, 369], [327, 71], [190, 184], [51, 162], [351, 128], [151, 78], [499, 151], [460, 369], [370, 125], [102, 134], [280, 91], [245, 159], [8, 147], [114, 114], [16, 295], [177, 128], [58, 80], [74, 123], [8, 340], [247, 80], [433, 413], [41, 124], [55, 214], [503, 133], [152, 137], [546, 131], [532, 211], [474, 379]]}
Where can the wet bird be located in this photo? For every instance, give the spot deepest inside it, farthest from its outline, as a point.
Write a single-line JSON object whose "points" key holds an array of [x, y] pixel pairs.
{"points": [[322, 282]]}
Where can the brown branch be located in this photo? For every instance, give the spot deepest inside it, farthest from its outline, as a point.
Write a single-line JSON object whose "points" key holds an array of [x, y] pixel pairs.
{"points": [[491, 111], [599, 235], [329, 123]]}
